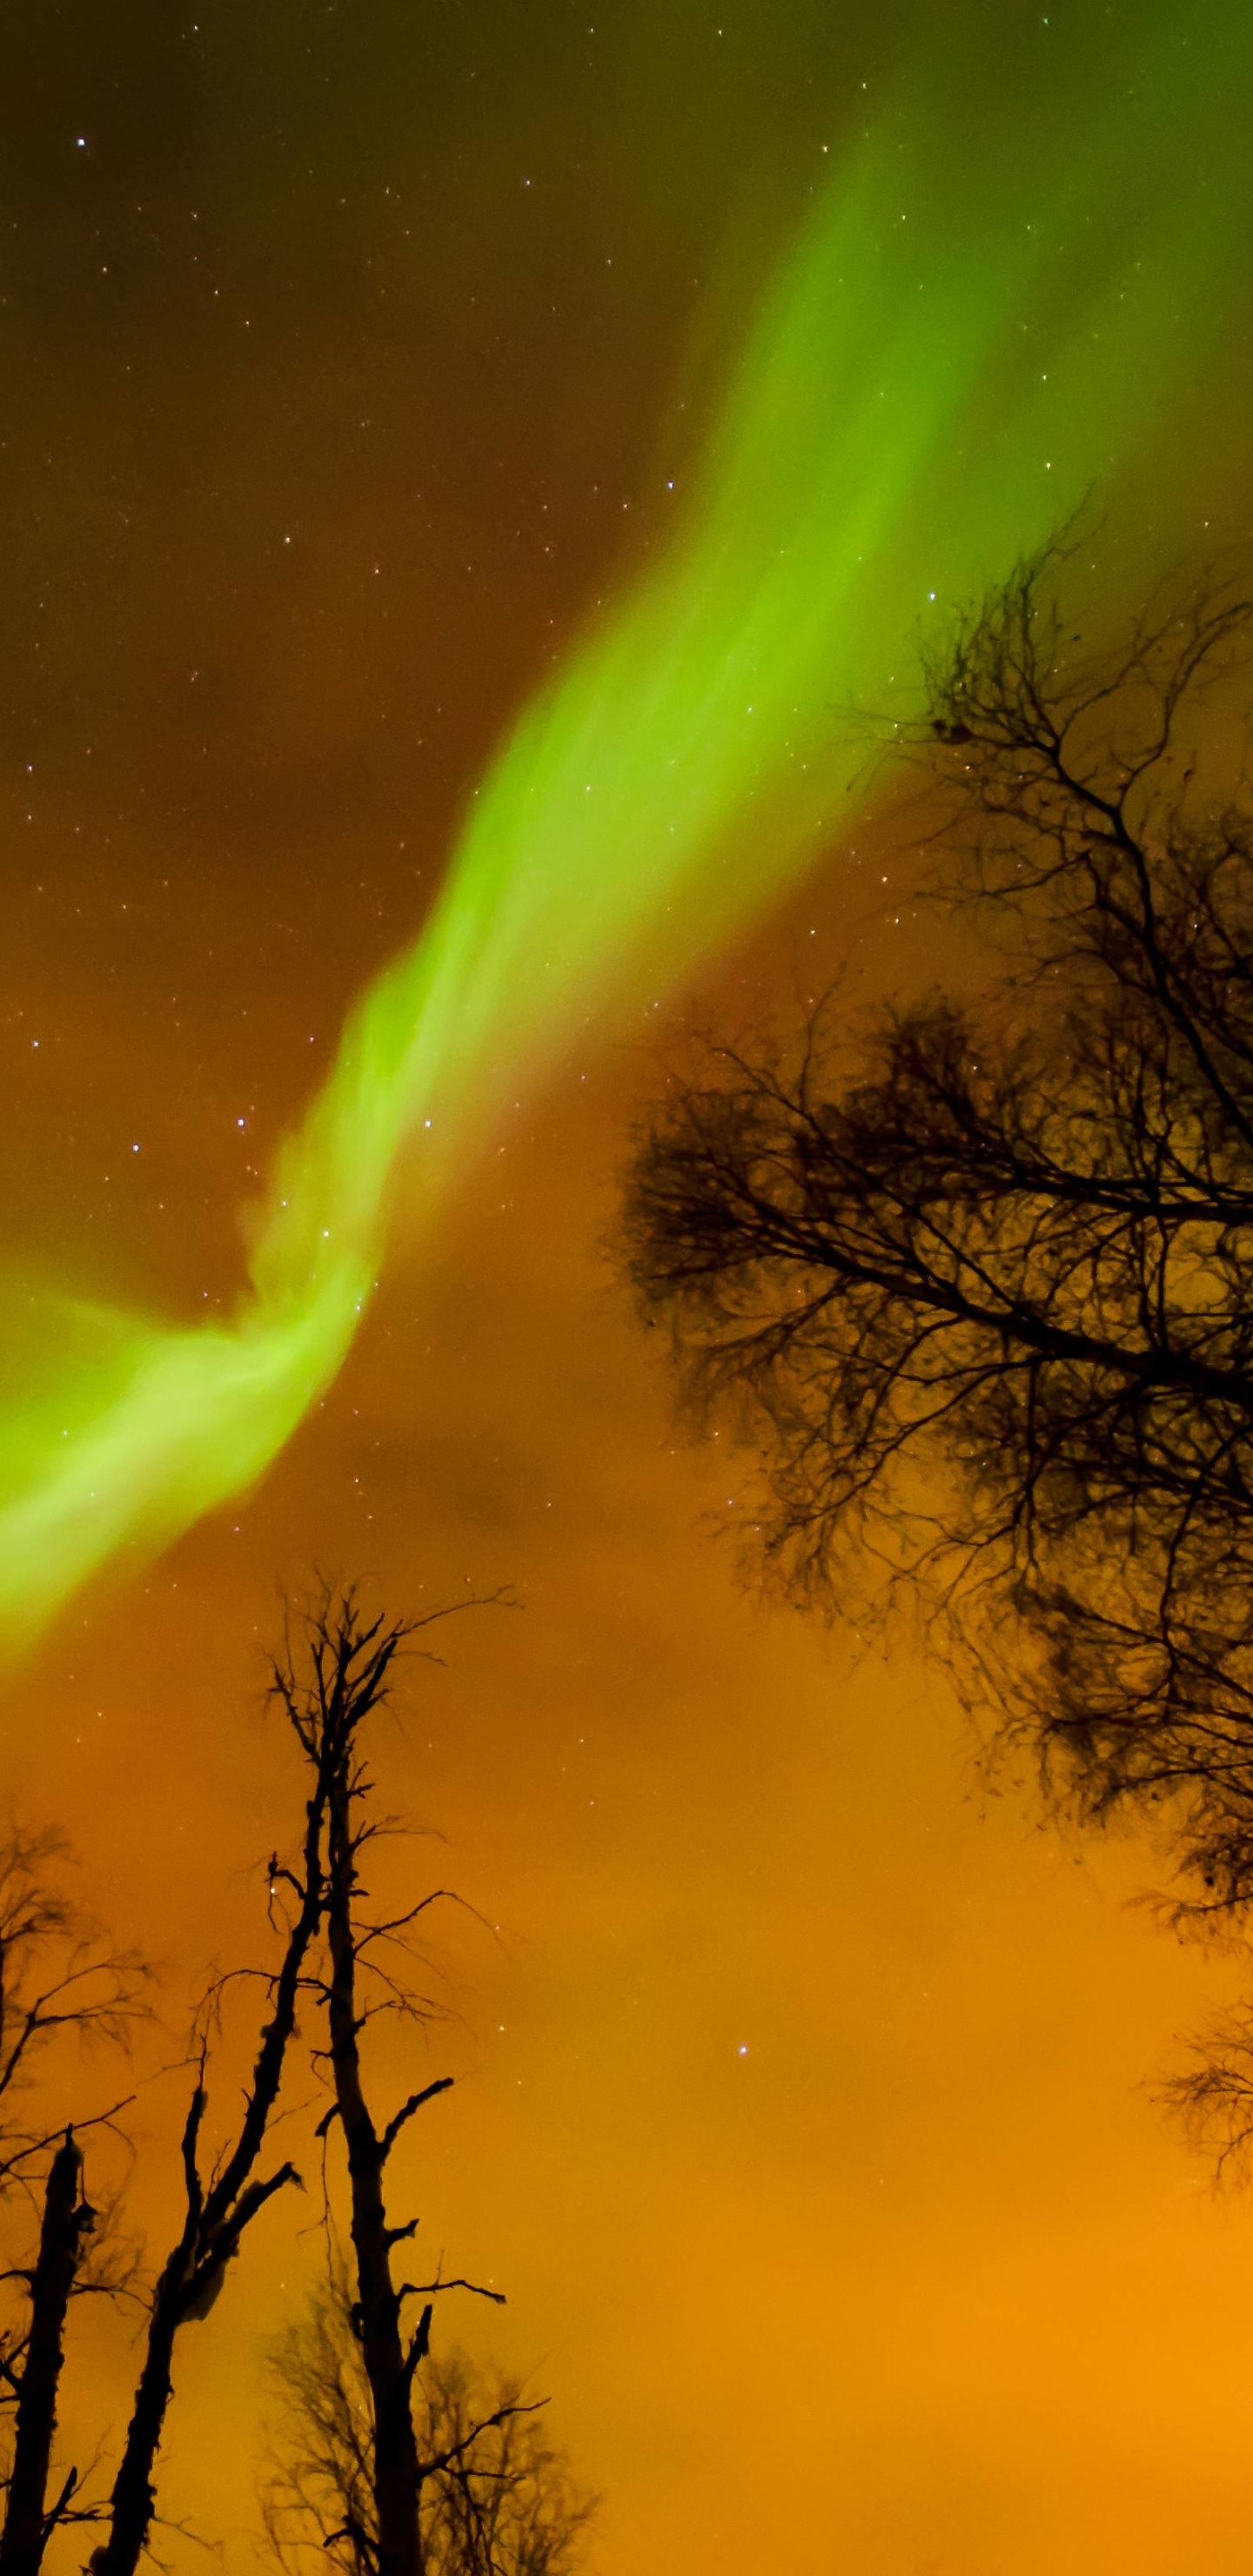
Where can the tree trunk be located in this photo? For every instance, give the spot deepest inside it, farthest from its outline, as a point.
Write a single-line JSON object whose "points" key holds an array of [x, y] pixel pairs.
{"points": [[388, 2368], [214, 2224], [66, 2220], [134, 2494]]}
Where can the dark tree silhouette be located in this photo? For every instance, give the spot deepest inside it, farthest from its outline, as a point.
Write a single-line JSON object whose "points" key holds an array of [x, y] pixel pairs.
{"points": [[61, 1990], [29, 2520], [340, 1960], [219, 2206], [332, 1679], [497, 2497], [983, 1292]]}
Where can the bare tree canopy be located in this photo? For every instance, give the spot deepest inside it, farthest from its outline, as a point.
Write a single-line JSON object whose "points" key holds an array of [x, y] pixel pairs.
{"points": [[64, 1993], [498, 2497], [983, 1295]]}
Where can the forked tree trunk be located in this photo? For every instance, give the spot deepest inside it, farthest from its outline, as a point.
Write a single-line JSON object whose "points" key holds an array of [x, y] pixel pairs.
{"points": [[217, 2217], [66, 2220]]}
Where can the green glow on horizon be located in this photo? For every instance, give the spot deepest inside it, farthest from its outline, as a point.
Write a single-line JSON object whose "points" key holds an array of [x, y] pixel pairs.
{"points": [[943, 371]]}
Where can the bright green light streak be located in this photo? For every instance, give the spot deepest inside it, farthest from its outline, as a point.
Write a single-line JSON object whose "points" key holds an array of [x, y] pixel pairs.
{"points": [[953, 359]]}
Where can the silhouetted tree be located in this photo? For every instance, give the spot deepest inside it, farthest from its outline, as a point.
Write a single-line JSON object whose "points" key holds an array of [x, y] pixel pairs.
{"points": [[333, 1677], [61, 1990], [67, 2220], [497, 2498], [221, 2205], [983, 1293], [344, 1961]]}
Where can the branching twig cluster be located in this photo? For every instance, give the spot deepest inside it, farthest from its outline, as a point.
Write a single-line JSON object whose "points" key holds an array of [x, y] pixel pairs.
{"points": [[985, 1295], [497, 2497]]}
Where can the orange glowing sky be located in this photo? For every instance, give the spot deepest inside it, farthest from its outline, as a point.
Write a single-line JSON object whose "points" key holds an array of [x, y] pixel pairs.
{"points": [[317, 449]]}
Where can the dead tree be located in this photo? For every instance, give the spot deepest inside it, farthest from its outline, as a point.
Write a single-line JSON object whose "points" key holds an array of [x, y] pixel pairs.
{"points": [[67, 2221], [979, 1290], [221, 2206], [330, 1684], [61, 1989]]}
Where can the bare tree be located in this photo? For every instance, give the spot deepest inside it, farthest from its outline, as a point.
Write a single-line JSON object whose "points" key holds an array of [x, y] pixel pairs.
{"points": [[331, 1680], [982, 1293], [345, 1962], [62, 1990], [29, 2520], [65, 1993], [219, 2206], [498, 2498]]}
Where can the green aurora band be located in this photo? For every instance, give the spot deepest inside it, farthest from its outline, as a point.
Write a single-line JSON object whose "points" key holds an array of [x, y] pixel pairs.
{"points": [[965, 345]]}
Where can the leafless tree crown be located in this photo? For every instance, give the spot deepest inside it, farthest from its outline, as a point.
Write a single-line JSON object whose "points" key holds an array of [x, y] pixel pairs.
{"points": [[983, 1294], [498, 2497]]}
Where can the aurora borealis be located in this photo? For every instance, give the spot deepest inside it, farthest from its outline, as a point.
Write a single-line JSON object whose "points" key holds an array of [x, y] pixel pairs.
{"points": [[682, 764], [476, 494]]}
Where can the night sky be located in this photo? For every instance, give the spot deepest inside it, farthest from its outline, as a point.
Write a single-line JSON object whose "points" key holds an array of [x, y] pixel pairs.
{"points": [[358, 364]]}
